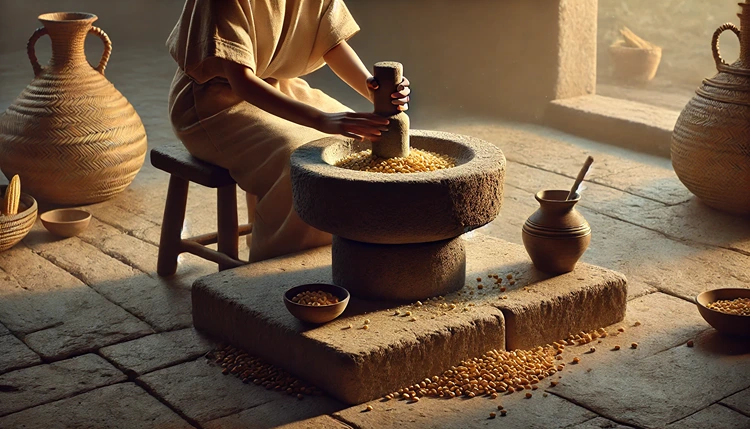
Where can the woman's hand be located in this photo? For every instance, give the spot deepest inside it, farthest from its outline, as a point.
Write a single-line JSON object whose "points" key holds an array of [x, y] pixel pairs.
{"points": [[359, 126], [400, 97]]}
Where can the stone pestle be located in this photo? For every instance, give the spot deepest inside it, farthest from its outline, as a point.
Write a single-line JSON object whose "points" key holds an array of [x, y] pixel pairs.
{"points": [[394, 142]]}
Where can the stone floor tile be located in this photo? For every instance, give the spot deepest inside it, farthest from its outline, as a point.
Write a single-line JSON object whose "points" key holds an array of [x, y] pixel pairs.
{"points": [[3, 330], [716, 416], [152, 300], [15, 354], [283, 411], [535, 412], [123, 247], [695, 221], [158, 351], [200, 391], [598, 423], [59, 315], [320, 422], [121, 406], [740, 401], [40, 384], [660, 389]]}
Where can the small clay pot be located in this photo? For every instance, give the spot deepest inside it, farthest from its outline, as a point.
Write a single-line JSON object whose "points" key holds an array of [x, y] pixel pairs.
{"points": [[556, 235], [317, 314], [66, 222]]}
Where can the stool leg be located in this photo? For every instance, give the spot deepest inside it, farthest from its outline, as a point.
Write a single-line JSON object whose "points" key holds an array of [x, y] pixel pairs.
{"points": [[171, 226], [228, 235]]}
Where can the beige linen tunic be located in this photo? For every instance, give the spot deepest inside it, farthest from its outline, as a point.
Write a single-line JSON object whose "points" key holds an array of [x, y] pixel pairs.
{"points": [[279, 40]]}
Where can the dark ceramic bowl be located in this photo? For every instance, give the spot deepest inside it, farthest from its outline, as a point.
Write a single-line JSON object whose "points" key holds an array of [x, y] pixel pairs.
{"points": [[317, 314], [731, 324]]}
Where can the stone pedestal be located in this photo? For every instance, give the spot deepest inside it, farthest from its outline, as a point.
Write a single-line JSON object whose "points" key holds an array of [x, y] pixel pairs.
{"points": [[244, 307]]}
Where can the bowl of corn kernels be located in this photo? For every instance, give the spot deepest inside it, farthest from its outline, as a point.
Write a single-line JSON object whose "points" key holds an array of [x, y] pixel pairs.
{"points": [[316, 302], [727, 310]]}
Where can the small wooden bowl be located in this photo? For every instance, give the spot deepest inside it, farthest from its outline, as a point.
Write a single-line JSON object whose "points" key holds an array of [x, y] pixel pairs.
{"points": [[731, 324], [317, 314], [14, 228], [66, 222]]}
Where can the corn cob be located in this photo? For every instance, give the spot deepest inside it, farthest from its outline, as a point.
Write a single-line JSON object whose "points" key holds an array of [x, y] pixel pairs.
{"points": [[12, 196]]}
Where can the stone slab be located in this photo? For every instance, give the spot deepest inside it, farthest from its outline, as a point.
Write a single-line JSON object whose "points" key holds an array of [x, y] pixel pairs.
{"points": [[40, 384], [537, 412], [284, 411], [15, 354], [151, 299], [715, 416], [3, 330], [157, 351], [740, 401], [58, 315], [599, 423], [320, 422], [628, 389], [121, 406], [199, 390], [244, 307]]}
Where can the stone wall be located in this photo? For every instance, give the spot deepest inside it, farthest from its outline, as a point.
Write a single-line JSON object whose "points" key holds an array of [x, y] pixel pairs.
{"points": [[479, 56], [683, 28]]}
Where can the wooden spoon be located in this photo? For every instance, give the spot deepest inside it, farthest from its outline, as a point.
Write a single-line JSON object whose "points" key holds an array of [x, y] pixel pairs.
{"points": [[581, 175]]}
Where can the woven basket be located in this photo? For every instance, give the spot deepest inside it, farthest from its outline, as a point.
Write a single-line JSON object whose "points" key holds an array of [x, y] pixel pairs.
{"points": [[634, 64], [72, 136], [15, 227]]}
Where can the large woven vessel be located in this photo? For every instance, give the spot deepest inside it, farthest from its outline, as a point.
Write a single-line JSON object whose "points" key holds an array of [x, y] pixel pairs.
{"points": [[711, 139], [70, 134]]}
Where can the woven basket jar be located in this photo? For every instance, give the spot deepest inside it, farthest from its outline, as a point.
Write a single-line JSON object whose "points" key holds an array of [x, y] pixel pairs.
{"points": [[711, 139], [70, 134]]}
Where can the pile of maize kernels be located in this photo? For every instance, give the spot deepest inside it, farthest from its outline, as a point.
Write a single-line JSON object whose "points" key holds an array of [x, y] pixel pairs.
{"points": [[739, 306], [418, 161], [315, 298], [253, 370]]}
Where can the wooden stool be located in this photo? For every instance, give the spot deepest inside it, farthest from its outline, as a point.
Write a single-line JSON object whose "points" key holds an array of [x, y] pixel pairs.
{"points": [[183, 169]]}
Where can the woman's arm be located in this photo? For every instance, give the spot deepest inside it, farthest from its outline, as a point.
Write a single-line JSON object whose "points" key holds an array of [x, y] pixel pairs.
{"points": [[259, 93], [347, 65]]}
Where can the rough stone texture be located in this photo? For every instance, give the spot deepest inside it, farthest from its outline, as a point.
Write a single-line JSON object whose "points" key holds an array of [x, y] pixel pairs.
{"points": [[3, 330], [15, 354], [600, 423], [244, 307], [715, 416], [321, 422], [649, 381], [576, 70], [158, 351], [202, 393], [59, 315], [621, 122], [537, 412], [541, 308], [153, 300], [398, 272], [122, 406], [286, 410], [37, 385], [393, 351], [399, 208], [740, 401]]}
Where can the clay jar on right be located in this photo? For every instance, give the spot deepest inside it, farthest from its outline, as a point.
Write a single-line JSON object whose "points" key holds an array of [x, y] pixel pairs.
{"points": [[556, 235]]}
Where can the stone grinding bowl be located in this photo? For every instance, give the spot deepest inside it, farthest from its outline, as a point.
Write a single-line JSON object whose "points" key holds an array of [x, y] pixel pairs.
{"points": [[731, 324], [317, 314], [66, 222], [387, 208], [15, 227]]}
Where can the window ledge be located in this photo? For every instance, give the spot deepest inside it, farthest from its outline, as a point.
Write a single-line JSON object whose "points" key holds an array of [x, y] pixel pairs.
{"points": [[624, 123]]}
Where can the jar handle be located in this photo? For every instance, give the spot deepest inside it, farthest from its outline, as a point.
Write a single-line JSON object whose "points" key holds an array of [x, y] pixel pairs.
{"points": [[715, 41], [107, 48], [31, 51]]}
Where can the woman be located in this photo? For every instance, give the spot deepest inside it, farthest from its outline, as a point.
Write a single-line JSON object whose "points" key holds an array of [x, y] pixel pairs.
{"points": [[237, 100]]}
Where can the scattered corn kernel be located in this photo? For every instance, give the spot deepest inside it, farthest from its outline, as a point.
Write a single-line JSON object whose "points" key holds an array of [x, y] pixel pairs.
{"points": [[690, 343], [616, 348], [576, 359], [367, 321], [634, 346], [493, 415], [368, 408], [503, 413]]}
